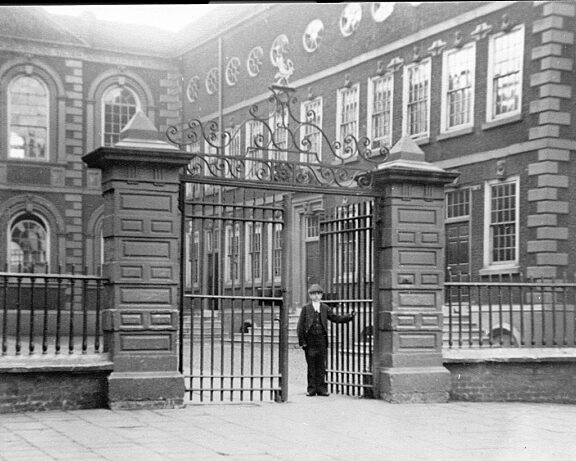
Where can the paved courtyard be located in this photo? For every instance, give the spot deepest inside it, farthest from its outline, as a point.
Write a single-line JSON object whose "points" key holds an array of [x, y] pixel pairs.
{"points": [[319, 428]]}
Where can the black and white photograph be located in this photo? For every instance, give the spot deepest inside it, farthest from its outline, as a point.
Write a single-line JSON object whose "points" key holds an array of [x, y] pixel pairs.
{"points": [[288, 231]]}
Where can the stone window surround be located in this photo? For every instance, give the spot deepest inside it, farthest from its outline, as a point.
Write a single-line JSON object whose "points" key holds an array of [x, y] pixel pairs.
{"points": [[369, 126], [405, 92], [99, 87], [48, 213], [56, 115], [490, 77], [444, 128], [510, 266]]}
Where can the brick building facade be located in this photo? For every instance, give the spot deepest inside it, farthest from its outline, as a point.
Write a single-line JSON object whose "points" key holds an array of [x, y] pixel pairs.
{"points": [[59, 75], [483, 88]]}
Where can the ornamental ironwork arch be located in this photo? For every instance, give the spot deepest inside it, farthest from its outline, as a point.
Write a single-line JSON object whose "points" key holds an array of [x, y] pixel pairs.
{"points": [[281, 153]]}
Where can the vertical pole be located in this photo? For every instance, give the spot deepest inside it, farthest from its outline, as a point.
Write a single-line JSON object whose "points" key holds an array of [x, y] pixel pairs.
{"points": [[182, 207], [286, 297]]}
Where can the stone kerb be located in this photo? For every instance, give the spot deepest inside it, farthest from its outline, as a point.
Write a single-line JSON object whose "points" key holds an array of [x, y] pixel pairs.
{"points": [[141, 229], [409, 269]]}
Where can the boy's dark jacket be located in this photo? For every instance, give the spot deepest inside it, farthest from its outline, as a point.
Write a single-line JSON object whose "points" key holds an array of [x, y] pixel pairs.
{"points": [[307, 318]]}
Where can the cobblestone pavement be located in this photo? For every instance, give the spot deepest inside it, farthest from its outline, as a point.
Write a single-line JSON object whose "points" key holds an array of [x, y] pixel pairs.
{"points": [[318, 428]]}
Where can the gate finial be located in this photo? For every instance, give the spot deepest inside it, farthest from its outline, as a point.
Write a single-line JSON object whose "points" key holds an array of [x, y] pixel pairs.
{"points": [[140, 132]]}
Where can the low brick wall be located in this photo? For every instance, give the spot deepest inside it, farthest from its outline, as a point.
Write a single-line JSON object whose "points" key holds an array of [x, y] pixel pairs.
{"points": [[513, 375], [58, 383]]}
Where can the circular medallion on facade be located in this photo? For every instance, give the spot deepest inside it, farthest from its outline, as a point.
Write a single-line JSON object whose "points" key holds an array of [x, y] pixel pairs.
{"points": [[254, 61], [212, 81], [381, 10], [193, 88], [350, 18], [313, 35], [278, 49], [232, 71]]}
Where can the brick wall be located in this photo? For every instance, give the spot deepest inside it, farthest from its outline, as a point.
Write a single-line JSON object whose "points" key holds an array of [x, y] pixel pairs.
{"points": [[57, 382], [50, 390], [521, 380]]}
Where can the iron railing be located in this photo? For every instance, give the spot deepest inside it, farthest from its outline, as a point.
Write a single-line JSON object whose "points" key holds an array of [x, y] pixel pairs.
{"points": [[50, 313], [509, 313], [346, 249]]}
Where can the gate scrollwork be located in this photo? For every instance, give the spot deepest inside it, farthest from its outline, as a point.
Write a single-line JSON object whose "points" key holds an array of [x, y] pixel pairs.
{"points": [[281, 151]]}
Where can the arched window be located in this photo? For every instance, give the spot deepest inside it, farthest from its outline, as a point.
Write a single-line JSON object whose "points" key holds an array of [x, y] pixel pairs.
{"points": [[28, 248], [28, 109], [119, 104]]}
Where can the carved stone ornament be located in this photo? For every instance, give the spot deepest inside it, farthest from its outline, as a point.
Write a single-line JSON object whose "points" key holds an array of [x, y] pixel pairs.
{"points": [[458, 38], [381, 10], [481, 31], [506, 23], [395, 64], [437, 47], [350, 19], [193, 89], [254, 61], [313, 35], [279, 59], [212, 81], [232, 71]]}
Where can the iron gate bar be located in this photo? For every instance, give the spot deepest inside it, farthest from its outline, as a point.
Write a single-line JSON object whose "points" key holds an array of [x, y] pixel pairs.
{"points": [[346, 239], [262, 185], [216, 352]]}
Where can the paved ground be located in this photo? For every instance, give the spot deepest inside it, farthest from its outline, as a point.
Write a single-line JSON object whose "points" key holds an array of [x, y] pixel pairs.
{"points": [[310, 429], [304, 428]]}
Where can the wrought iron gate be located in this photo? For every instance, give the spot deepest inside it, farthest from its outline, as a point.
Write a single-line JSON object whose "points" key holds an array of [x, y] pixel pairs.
{"points": [[234, 322], [346, 249], [233, 341]]}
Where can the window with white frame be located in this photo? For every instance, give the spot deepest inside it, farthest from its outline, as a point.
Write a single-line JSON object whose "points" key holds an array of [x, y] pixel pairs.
{"points": [[119, 104], [505, 60], [311, 115], [28, 109], [347, 112], [502, 211], [254, 251], [353, 244], [254, 140], [312, 223], [417, 99], [380, 93], [195, 258], [458, 87], [458, 204], [277, 252], [28, 246], [232, 253], [189, 250]]}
